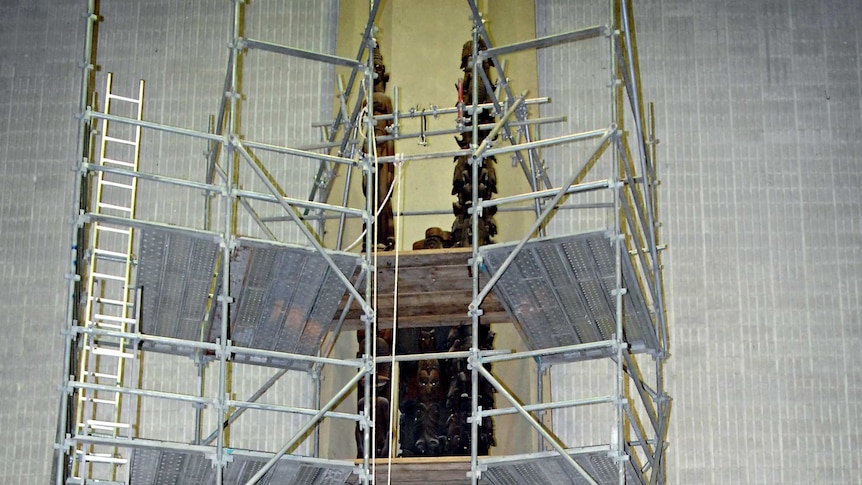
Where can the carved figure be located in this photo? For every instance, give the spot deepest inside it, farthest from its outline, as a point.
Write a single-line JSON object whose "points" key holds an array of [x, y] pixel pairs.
{"points": [[383, 173], [381, 423], [430, 440], [462, 179]]}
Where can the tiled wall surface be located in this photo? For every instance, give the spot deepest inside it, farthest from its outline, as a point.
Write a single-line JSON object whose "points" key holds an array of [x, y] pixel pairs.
{"points": [[758, 109], [758, 113], [180, 49]]}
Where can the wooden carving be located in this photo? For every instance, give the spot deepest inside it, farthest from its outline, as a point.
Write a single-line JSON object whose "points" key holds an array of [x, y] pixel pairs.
{"points": [[383, 173]]}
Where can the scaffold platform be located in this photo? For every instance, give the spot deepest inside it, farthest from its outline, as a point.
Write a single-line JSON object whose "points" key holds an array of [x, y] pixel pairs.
{"points": [[559, 292], [285, 297], [178, 467]]}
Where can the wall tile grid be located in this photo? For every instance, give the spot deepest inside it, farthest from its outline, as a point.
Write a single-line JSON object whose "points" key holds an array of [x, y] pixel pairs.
{"points": [[758, 115], [758, 112], [37, 99], [180, 49]]}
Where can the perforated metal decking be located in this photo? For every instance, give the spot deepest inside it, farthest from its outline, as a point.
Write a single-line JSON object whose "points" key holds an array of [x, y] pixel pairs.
{"points": [[558, 292], [286, 300], [175, 274], [550, 467], [285, 297], [180, 467]]}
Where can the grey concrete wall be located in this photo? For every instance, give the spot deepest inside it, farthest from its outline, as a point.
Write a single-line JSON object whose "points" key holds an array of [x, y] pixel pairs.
{"points": [[758, 107], [180, 49], [758, 112]]}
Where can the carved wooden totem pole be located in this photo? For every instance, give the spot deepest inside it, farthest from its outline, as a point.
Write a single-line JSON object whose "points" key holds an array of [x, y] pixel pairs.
{"points": [[383, 225], [435, 395], [384, 173], [462, 180]]}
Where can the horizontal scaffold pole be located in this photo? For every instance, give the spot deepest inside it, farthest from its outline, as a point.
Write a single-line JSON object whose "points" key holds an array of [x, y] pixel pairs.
{"points": [[590, 401], [90, 114], [307, 204], [553, 440], [548, 142], [302, 53], [541, 194], [547, 41], [307, 427], [298, 152], [545, 352], [434, 112], [311, 237], [602, 145], [156, 226]]}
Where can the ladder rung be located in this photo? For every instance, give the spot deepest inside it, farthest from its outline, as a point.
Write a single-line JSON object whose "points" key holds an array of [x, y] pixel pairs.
{"points": [[105, 252], [117, 184], [117, 162], [115, 207], [123, 98], [112, 353], [103, 276], [99, 458], [113, 318], [120, 140], [118, 230], [79, 481], [109, 301], [110, 326], [96, 400], [96, 424], [102, 375]]}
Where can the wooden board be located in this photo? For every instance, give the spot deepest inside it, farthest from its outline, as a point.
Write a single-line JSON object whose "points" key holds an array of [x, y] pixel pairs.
{"points": [[434, 289], [442, 470]]}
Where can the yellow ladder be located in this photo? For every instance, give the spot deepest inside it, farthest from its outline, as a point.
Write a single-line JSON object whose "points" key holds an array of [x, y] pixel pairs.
{"points": [[110, 297]]}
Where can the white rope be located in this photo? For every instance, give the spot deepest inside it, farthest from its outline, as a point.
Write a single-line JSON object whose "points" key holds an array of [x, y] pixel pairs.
{"points": [[374, 293], [399, 230], [388, 194]]}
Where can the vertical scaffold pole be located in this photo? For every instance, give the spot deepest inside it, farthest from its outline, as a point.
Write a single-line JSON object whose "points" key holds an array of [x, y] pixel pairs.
{"points": [[72, 277], [371, 188], [227, 239], [618, 243], [474, 225]]}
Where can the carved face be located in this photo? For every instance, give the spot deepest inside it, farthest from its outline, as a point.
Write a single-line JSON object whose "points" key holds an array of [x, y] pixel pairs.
{"points": [[381, 77], [427, 341], [429, 381], [467, 55]]}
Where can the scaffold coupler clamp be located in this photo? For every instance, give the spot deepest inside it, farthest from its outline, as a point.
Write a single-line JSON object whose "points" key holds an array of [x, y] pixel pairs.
{"points": [[479, 469], [223, 459]]}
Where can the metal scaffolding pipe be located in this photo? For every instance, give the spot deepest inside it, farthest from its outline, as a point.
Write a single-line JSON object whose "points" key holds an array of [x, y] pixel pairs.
{"points": [[542, 194], [553, 440], [312, 238], [551, 351], [298, 152], [297, 203], [301, 53], [547, 142], [551, 405], [477, 300], [547, 41], [307, 427]]}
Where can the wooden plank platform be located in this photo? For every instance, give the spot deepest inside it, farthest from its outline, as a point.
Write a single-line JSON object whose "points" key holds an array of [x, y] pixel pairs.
{"points": [[434, 289], [437, 470]]}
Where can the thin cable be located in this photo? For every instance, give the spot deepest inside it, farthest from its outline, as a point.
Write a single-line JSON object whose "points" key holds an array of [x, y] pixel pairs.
{"points": [[374, 293], [399, 228], [377, 214]]}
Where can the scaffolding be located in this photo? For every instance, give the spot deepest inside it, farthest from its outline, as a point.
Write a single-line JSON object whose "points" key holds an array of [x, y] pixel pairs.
{"points": [[225, 300]]}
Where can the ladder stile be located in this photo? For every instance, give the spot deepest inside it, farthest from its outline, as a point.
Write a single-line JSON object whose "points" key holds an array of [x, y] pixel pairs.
{"points": [[110, 301]]}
